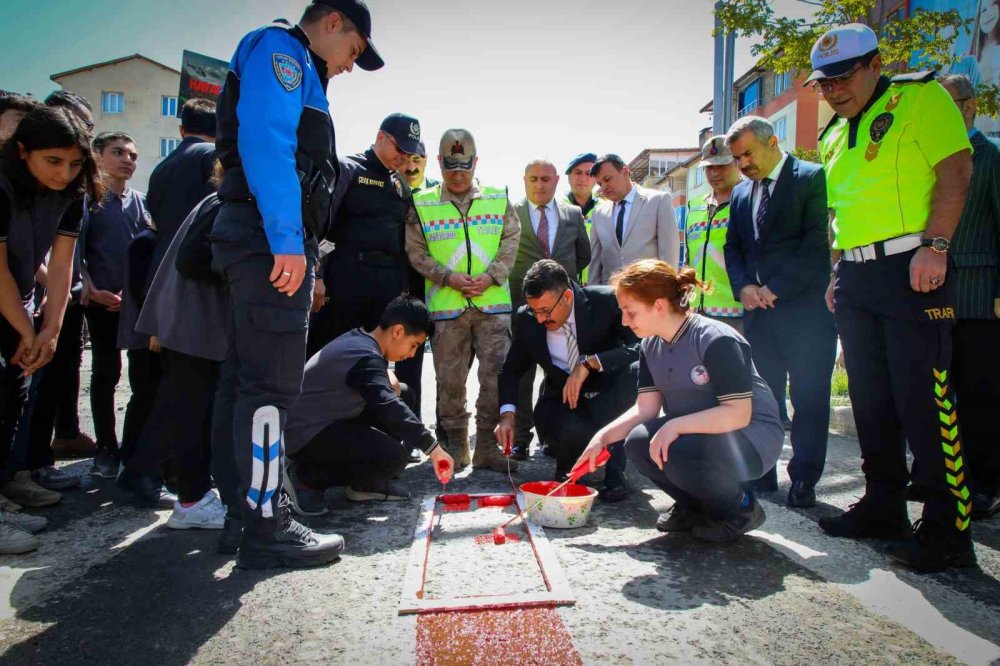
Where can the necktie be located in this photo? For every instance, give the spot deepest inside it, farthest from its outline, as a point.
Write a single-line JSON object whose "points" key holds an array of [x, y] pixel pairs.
{"points": [[572, 351], [620, 224], [543, 231], [765, 197]]}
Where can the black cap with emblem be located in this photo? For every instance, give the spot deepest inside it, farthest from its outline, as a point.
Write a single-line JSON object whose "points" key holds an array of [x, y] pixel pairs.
{"points": [[405, 130], [356, 11]]}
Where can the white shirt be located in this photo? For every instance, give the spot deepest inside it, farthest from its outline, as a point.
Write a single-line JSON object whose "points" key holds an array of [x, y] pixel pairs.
{"points": [[558, 349], [551, 216], [757, 187], [627, 204]]}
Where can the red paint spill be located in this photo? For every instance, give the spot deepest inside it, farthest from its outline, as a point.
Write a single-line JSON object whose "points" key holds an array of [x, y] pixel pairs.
{"points": [[484, 539], [456, 506], [496, 500], [499, 536], [518, 636]]}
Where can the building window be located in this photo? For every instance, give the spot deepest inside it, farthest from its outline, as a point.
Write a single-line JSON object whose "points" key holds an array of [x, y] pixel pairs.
{"points": [[113, 102], [168, 146], [659, 167], [168, 107], [749, 99], [699, 176], [781, 129], [782, 82]]}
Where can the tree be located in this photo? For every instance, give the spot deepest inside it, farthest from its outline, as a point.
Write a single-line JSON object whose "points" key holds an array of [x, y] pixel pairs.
{"points": [[784, 44]]}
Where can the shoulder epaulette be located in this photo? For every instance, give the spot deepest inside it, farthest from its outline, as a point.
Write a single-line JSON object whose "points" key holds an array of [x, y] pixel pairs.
{"points": [[914, 77], [828, 126]]}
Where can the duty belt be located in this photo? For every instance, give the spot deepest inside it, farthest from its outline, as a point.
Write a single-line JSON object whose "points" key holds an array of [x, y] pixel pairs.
{"points": [[882, 249]]}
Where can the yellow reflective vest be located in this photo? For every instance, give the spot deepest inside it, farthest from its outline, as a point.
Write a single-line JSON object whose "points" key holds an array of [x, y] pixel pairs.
{"points": [[705, 240], [465, 244]]}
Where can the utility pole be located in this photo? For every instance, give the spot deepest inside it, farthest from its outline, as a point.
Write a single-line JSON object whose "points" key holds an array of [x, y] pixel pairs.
{"points": [[722, 99]]}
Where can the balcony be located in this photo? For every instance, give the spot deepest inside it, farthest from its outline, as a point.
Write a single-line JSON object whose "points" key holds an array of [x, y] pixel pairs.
{"points": [[748, 109]]}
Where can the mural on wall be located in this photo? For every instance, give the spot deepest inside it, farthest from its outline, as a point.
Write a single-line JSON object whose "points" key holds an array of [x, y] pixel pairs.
{"points": [[979, 50]]}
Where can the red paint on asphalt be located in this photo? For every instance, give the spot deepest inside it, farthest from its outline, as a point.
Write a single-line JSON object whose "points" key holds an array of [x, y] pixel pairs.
{"points": [[518, 636]]}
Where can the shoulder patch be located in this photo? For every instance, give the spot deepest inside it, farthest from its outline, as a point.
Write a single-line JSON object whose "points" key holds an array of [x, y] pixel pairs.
{"points": [[288, 70], [914, 77]]}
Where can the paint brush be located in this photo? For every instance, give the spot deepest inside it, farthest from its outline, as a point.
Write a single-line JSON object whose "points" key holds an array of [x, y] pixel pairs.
{"points": [[582, 468]]}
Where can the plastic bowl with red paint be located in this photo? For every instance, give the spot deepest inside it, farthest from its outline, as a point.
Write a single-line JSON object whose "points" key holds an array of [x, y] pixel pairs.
{"points": [[568, 508]]}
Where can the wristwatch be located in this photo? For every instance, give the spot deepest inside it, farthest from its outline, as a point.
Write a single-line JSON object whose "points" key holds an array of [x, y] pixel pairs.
{"points": [[585, 360], [938, 244]]}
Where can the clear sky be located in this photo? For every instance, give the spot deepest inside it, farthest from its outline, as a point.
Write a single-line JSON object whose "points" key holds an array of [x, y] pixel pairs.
{"points": [[529, 78]]}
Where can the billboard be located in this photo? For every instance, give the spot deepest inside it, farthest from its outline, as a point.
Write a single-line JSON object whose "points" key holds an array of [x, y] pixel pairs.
{"points": [[201, 76], [978, 51]]}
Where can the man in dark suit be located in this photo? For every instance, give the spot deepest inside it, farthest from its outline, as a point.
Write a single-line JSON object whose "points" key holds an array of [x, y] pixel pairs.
{"points": [[550, 229], [590, 361], [183, 178], [778, 260], [975, 249]]}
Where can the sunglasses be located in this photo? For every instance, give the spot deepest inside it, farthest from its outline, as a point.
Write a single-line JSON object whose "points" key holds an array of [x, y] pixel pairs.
{"points": [[828, 84]]}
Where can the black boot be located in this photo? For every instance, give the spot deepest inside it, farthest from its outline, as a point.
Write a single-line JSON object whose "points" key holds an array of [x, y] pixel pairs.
{"points": [[232, 533], [145, 490], [870, 519], [935, 547], [281, 541]]}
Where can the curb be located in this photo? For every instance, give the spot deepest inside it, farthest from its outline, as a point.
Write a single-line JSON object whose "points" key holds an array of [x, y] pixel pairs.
{"points": [[842, 421]]}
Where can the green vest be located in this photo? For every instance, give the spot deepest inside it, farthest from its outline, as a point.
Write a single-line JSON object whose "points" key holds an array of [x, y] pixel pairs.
{"points": [[588, 222], [880, 186], [705, 240], [465, 244]]}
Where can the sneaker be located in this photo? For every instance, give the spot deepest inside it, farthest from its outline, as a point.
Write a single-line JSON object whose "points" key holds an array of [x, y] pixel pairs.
{"points": [[53, 478], [415, 456], [680, 519], [207, 514], [26, 492], [105, 465], [732, 528], [382, 491], [81, 446], [14, 540], [26, 522], [9, 506], [305, 501], [866, 519], [934, 548], [165, 499], [291, 545], [231, 535]]}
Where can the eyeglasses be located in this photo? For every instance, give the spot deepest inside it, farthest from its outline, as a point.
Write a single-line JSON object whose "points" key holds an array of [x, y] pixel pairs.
{"points": [[547, 312], [395, 145], [828, 84]]}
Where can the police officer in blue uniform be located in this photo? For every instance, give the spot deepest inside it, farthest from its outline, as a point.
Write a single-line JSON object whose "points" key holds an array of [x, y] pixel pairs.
{"points": [[275, 139]]}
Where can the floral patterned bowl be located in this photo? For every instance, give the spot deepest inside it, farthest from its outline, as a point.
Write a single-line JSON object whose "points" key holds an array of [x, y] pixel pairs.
{"points": [[569, 507]]}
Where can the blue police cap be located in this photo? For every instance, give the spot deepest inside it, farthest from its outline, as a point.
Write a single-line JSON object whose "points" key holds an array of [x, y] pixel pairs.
{"points": [[405, 130], [580, 159], [356, 11]]}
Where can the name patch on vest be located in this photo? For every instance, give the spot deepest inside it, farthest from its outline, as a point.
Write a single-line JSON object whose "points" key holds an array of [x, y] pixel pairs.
{"points": [[438, 236], [490, 230], [364, 180]]}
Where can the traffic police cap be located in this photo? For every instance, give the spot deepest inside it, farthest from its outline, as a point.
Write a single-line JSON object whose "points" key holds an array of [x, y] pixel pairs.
{"points": [[357, 12], [582, 158], [837, 51], [458, 150], [716, 153], [405, 130]]}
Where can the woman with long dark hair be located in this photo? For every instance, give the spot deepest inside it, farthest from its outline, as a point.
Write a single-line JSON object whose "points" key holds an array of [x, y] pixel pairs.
{"points": [[46, 168]]}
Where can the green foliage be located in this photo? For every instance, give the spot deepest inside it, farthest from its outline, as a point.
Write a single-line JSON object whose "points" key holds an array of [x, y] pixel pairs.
{"points": [[838, 386], [807, 155], [783, 44]]}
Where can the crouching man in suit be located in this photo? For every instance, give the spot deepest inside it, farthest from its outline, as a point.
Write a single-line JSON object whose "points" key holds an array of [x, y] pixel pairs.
{"points": [[590, 361]]}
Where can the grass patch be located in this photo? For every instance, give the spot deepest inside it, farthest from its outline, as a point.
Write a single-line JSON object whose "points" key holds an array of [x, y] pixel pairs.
{"points": [[838, 386]]}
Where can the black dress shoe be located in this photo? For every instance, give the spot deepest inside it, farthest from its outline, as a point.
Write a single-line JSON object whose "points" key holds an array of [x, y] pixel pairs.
{"points": [[802, 495], [985, 504], [145, 490], [765, 484], [520, 451], [613, 493], [232, 533], [934, 548]]}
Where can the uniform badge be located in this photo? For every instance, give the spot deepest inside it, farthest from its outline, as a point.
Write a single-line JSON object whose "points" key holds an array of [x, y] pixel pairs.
{"points": [[699, 375], [457, 149], [893, 102], [415, 131], [288, 71], [880, 126]]}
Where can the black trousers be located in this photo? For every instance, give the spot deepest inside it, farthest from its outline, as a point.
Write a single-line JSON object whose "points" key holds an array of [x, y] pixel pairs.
{"points": [[268, 347], [702, 472], [353, 452], [798, 340], [897, 349], [342, 315], [976, 364], [106, 370], [13, 393], [144, 373], [180, 425], [56, 407], [568, 431]]}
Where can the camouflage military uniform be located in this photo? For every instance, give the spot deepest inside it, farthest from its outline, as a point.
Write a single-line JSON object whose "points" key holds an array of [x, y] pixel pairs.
{"points": [[456, 340]]}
